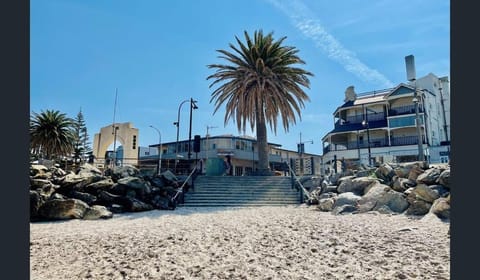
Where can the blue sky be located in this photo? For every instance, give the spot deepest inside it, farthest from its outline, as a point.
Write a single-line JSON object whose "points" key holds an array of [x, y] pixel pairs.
{"points": [[156, 54]]}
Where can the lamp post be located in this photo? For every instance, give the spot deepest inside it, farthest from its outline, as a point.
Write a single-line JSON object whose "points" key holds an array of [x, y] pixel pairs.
{"points": [[177, 123], [365, 124], [193, 105], [416, 101], [159, 168]]}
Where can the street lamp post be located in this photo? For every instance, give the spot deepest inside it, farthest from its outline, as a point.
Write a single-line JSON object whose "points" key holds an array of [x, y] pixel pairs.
{"points": [[159, 168], [177, 123], [193, 105], [416, 101], [365, 124]]}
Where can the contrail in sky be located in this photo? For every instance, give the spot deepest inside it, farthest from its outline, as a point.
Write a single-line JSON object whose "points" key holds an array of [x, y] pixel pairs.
{"points": [[311, 27]]}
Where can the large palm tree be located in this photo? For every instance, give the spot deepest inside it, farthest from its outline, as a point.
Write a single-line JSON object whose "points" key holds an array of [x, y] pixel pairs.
{"points": [[259, 85], [51, 134]]}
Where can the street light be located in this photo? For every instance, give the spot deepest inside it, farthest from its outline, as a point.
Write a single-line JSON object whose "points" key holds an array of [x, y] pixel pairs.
{"points": [[177, 123], [159, 168], [193, 105], [416, 101], [365, 124]]}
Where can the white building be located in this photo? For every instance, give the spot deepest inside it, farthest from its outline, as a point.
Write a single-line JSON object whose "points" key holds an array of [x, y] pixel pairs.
{"points": [[381, 126]]}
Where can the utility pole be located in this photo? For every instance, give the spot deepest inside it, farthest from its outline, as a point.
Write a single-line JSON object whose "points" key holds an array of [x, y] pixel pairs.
{"points": [[301, 150], [207, 144], [177, 124]]}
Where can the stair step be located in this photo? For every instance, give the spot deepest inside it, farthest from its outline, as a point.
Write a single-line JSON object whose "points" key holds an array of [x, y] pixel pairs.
{"points": [[241, 191], [234, 204]]}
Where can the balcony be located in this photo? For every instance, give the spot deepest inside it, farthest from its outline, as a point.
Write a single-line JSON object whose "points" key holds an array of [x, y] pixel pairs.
{"points": [[404, 110], [345, 127], [406, 140], [374, 143], [353, 123]]}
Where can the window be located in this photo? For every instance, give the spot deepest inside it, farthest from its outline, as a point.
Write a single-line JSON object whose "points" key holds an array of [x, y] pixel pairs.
{"points": [[134, 142], [403, 121]]}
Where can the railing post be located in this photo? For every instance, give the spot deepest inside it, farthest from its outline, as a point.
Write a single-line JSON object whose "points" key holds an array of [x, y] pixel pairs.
{"points": [[301, 196], [292, 181]]}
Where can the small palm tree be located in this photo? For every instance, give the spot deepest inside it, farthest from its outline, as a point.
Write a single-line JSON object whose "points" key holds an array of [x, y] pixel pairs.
{"points": [[259, 86], [51, 134]]}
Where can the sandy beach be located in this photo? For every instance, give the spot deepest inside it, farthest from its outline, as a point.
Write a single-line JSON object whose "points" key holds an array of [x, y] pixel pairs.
{"points": [[289, 242]]}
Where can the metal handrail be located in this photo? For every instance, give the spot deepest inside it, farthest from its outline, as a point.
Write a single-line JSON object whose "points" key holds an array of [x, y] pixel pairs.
{"points": [[180, 190], [304, 191]]}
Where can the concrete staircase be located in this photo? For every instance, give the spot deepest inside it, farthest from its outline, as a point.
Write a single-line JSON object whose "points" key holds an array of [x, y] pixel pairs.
{"points": [[241, 191]]}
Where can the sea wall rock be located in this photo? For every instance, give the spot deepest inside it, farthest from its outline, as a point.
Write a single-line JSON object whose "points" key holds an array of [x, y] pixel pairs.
{"points": [[89, 194]]}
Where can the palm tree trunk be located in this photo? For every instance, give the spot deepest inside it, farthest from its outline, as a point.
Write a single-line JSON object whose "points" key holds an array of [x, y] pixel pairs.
{"points": [[263, 164]]}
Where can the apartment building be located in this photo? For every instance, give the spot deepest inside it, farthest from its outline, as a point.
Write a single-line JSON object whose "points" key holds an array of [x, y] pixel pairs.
{"points": [[381, 126]]}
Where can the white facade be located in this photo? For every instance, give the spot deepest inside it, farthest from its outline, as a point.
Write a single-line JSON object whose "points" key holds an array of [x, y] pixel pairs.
{"points": [[383, 124], [147, 151]]}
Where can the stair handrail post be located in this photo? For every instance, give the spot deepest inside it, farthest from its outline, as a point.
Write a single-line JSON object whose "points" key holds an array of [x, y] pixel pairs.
{"points": [[292, 179], [303, 191], [180, 190]]}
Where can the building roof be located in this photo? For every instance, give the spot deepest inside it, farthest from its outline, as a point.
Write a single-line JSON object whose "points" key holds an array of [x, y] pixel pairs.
{"points": [[365, 98], [227, 136], [377, 96]]}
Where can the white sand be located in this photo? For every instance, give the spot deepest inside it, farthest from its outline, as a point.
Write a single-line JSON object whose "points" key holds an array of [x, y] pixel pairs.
{"points": [[294, 242]]}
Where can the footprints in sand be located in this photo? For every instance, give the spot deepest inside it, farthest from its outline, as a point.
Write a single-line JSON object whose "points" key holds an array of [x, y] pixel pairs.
{"points": [[259, 243]]}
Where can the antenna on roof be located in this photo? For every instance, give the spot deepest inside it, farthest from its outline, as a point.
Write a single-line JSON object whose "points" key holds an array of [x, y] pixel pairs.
{"points": [[114, 132], [115, 107]]}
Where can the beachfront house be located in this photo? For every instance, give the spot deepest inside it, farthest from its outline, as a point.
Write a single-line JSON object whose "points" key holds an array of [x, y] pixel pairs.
{"points": [[381, 126]]}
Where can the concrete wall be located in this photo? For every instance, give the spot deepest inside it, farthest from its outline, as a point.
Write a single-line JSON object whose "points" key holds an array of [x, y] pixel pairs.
{"points": [[125, 135]]}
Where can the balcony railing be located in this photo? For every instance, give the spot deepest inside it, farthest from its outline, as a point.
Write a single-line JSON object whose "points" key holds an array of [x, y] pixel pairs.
{"points": [[403, 110], [358, 119], [406, 140], [374, 143]]}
